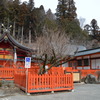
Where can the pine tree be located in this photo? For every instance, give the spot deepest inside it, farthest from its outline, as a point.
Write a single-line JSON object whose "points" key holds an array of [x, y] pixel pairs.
{"points": [[38, 17], [31, 5], [93, 29], [50, 15], [14, 8], [3, 11], [66, 9]]}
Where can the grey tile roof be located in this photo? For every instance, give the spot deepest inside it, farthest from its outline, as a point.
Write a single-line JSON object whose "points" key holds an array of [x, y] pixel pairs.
{"points": [[87, 52], [75, 48], [14, 42]]}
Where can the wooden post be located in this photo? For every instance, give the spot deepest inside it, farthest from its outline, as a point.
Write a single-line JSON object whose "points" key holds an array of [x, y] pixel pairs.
{"points": [[27, 82]]}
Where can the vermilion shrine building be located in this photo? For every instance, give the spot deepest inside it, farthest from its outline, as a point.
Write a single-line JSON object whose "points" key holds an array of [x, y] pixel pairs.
{"points": [[86, 59], [12, 51]]}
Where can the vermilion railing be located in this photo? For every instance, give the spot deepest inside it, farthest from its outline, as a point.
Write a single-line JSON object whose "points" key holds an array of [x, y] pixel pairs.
{"points": [[45, 82], [20, 80], [7, 73], [70, 69], [84, 73]]}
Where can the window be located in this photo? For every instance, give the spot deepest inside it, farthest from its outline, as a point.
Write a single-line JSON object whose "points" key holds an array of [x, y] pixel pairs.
{"points": [[86, 67], [79, 62], [70, 64], [79, 67], [86, 62]]}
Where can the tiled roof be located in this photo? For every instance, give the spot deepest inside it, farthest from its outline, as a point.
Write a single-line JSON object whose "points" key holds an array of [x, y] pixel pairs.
{"points": [[87, 52], [13, 42]]}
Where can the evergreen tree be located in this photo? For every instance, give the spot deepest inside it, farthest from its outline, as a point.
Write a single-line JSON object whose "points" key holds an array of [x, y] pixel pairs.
{"points": [[31, 5], [66, 9], [50, 21], [14, 8], [50, 15], [3, 11], [38, 17], [67, 20], [93, 29]]}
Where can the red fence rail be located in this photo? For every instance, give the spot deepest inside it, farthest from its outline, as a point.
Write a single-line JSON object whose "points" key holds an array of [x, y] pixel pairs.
{"points": [[84, 73], [7, 73], [20, 80], [70, 69], [45, 82]]}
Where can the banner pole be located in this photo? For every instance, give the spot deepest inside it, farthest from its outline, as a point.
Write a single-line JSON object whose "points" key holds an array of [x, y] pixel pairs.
{"points": [[27, 65]]}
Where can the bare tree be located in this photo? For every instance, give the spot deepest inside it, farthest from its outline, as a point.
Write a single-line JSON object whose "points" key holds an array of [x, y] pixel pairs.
{"points": [[53, 47]]}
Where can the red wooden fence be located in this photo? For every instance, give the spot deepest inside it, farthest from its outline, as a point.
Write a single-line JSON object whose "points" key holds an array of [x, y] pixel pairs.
{"points": [[7, 73], [84, 73], [70, 69], [45, 82], [53, 80]]}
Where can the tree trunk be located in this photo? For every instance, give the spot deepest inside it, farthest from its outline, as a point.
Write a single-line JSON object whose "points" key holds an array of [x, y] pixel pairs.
{"points": [[14, 29], [29, 36], [0, 28], [22, 35], [18, 36]]}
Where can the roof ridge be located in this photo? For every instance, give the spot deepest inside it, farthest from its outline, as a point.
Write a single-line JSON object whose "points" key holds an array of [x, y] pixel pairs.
{"points": [[89, 49], [14, 42]]}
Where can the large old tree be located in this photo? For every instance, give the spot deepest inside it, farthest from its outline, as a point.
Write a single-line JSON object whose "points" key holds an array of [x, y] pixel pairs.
{"points": [[53, 49]]}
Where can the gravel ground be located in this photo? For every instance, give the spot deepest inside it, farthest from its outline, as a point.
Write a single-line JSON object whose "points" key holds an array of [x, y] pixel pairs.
{"points": [[81, 92]]}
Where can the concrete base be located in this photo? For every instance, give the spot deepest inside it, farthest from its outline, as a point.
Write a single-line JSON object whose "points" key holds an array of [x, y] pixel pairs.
{"points": [[52, 91], [28, 94], [73, 91]]}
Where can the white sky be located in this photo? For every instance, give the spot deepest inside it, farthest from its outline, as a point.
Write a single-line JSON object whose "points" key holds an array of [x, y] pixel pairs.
{"points": [[88, 9]]}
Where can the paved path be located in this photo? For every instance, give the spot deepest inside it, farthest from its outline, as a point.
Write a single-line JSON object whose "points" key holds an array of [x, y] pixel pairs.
{"points": [[81, 92]]}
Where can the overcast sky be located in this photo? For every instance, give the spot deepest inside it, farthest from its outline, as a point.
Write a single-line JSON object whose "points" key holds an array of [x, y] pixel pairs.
{"points": [[88, 9]]}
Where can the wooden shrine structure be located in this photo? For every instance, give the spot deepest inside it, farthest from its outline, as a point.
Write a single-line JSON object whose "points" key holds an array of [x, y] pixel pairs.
{"points": [[12, 52]]}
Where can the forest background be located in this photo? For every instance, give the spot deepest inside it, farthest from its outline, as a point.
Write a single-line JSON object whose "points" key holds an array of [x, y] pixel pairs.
{"points": [[27, 22]]}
